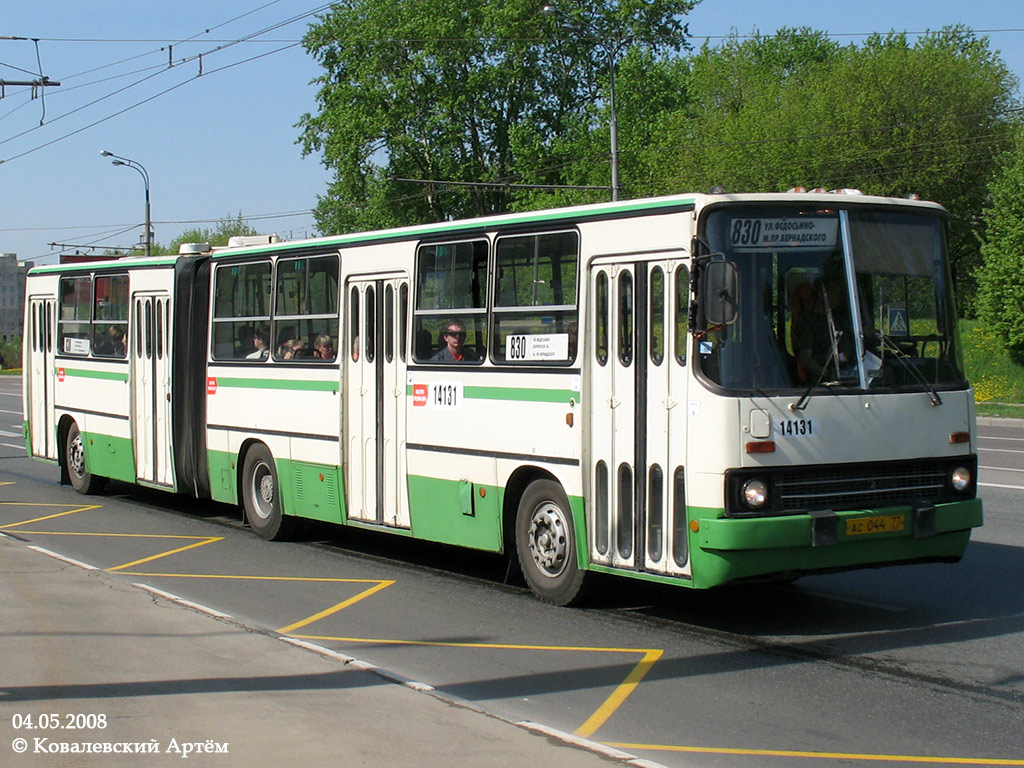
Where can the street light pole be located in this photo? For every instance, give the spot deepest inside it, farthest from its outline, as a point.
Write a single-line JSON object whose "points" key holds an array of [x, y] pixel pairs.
{"points": [[148, 234], [613, 125]]}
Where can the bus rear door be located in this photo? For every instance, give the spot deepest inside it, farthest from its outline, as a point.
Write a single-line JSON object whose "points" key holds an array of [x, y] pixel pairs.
{"points": [[41, 376], [151, 388], [638, 414]]}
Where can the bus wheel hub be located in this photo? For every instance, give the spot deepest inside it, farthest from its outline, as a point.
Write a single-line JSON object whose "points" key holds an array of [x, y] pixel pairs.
{"points": [[547, 539]]}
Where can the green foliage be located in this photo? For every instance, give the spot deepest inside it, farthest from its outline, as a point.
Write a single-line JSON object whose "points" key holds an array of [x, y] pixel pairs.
{"points": [[1001, 279], [886, 117], [995, 376], [463, 91], [501, 93], [218, 235], [10, 351]]}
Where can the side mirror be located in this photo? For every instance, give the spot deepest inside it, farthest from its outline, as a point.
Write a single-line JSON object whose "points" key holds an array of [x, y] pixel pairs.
{"points": [[721, 281]]}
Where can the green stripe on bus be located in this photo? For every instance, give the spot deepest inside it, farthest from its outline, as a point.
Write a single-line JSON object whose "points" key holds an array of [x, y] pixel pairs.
{"points": [[113, 264], [86, 374], [305, 386], [527, 395], [516, 394]]}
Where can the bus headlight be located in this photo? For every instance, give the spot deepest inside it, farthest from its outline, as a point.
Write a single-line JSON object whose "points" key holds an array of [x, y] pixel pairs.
{"points": [[960, 478], [755, 493]]}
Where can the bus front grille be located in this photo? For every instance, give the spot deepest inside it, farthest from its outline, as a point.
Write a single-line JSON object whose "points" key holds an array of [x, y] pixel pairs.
{"points": [[860, 486]]}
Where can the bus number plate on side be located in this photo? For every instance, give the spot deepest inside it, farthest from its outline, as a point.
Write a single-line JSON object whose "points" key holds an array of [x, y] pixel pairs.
{"points": [[796, 428], [876, 524], [446, 395]]}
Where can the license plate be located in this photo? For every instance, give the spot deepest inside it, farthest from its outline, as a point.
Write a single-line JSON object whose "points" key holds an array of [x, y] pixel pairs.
{"points": [[877, 524]]}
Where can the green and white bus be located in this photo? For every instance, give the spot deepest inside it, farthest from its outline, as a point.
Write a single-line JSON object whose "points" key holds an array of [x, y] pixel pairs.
{"points": [[694, 389]]}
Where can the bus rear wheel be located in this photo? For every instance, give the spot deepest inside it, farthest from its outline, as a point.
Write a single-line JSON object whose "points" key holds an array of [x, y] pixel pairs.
{"points": [[546, 544], [82, 480], [261, 496]]}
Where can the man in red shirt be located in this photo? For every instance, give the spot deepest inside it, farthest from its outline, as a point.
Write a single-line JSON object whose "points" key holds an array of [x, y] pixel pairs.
{"points": [[453, 351]]}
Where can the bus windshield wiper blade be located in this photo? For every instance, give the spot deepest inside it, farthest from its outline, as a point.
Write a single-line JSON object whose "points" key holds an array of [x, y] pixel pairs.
{"points": [[899, 354], [805, 398]]}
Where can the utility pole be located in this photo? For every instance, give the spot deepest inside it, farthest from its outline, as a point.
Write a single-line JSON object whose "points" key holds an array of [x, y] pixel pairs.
{"points": [[36, 85]]}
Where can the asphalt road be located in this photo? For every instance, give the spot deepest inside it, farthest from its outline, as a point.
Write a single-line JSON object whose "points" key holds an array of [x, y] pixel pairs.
{"points": [[920, 664]]}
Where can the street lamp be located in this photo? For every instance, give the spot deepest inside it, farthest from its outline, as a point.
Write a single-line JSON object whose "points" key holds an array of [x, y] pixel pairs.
{"points": [[611, 50], [148, 233]]}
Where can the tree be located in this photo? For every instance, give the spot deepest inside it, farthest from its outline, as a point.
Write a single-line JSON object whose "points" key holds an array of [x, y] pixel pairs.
{"points": [[1001, 278], [473, 91], [217, 236], [886, 117]]}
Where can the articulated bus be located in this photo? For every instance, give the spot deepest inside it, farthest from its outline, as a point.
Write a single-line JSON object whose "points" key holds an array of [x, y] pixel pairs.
{"points": [[695, 389]]}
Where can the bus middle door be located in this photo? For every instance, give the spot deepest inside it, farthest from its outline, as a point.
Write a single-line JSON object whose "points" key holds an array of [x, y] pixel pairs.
{"points": [[375, 399], [151, 393]]}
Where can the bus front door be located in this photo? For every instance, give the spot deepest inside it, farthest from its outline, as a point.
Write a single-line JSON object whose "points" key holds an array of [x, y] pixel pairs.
{"points": [[151, 388], [39, 336], [637, 519], [375, 399]]}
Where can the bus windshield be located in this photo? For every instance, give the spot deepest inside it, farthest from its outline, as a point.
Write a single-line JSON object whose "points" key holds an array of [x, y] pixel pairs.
{"points": [[848, 298]]}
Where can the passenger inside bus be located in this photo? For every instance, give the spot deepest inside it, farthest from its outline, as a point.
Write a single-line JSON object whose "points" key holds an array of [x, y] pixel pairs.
{"points": [[260, 349], [454, 338], [323, 347]]}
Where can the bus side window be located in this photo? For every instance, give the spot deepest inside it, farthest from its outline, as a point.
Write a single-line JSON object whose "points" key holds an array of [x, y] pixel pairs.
{"points": [[451, 285], [536, 316], [657, 320], [353, 328], [682, 312], [306, 309], [74, 327], [601, 319], [241, 312], [626, 318]]}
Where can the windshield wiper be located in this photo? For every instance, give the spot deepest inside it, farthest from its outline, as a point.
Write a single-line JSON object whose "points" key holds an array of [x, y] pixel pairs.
{"points": [[833, 356], [805, 398], [899, 354]]}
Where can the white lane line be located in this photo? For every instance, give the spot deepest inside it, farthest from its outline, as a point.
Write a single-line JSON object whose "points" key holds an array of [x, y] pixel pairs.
{"points": [[999, 485], [55, 555], [182, 601], [854, 601]]}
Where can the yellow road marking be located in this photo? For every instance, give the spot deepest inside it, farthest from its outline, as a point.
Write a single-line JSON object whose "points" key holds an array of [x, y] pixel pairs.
{"points": [[619, 695], [334, 609], [47, 517], [595, 721], [115, 535], [250, 578], [209, 540], [817, 755]]}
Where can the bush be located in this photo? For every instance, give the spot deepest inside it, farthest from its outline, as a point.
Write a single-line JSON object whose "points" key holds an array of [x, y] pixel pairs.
{"points": [[10, 352], [1001, 278]]}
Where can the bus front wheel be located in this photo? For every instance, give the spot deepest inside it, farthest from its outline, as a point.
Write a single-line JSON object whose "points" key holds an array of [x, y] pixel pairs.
{"points": [[82, 480], [261, 496], [546, 544]]}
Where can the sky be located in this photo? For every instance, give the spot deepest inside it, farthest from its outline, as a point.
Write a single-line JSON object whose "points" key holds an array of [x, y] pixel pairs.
{"points": [[216, 131]]}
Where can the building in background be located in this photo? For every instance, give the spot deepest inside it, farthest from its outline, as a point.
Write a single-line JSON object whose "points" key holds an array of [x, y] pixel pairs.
{"points": [[12, 295]]}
